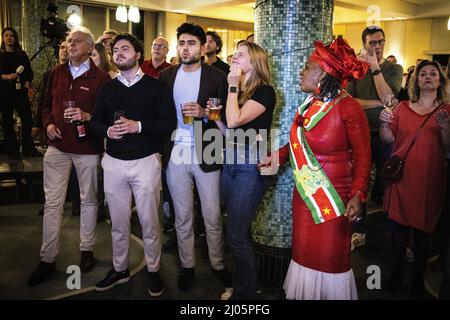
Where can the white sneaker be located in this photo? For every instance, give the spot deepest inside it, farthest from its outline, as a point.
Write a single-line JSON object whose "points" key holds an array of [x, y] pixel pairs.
{"points": [[358, 240], [409, 255], [227, 294]]}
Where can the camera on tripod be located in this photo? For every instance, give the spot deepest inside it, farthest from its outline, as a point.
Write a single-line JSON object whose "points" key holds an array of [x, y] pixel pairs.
{"points": [[53, 27]]}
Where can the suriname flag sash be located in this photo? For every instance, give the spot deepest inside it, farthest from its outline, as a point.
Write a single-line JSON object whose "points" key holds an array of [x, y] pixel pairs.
{"points": [[310, 179]]}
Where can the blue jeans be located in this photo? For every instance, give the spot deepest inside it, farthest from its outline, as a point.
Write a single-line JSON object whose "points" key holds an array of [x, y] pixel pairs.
{"points": [[242, 189]]}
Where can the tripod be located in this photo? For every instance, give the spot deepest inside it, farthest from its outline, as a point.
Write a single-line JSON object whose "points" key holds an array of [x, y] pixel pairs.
{"points": [[54, 44]]}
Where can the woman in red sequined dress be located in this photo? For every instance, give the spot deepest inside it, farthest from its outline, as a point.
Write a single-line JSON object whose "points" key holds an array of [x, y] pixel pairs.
{"points": [[329, 150]]}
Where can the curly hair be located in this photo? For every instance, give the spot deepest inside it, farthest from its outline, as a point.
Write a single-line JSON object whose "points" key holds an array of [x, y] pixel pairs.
{"points": [[329, 87], [217, 39]]}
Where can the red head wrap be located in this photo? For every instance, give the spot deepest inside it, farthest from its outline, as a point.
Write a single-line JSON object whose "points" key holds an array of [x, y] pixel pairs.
{"points": [[339, 60]]}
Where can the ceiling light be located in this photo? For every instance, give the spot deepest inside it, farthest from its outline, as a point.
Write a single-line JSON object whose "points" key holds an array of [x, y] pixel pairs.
{"points": [[133, 14], [121, 14], [74, 20]]}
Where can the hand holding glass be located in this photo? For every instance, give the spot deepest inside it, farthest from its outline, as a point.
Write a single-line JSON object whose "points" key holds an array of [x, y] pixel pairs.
{"points": [[186, 119], [390, 102], [117, 115], [214, 109], [68, 105]]}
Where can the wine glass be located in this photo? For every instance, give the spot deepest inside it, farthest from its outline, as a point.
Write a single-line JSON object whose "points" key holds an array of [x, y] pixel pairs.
{"points": [[390, 102], [117, 115]]}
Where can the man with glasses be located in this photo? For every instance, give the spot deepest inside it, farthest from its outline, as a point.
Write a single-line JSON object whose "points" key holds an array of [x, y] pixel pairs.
{"points": [[383, 81], [152, 67]]}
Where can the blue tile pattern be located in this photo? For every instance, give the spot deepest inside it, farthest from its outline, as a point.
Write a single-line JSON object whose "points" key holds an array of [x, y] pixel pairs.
{"points": [[284, 28]]}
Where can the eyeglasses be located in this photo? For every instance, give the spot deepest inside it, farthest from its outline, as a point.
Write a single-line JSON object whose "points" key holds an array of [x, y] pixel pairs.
{"points": [[159, 46], [374, 43], [374, 27]]}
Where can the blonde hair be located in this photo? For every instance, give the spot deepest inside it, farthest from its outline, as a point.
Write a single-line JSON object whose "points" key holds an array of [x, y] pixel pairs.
{"points": [[260, 74], [414, 90]]}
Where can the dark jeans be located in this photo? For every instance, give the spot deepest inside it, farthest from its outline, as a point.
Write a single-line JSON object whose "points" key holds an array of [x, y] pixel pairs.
{"points": [[422, 241], [19, 100], [443, 225], [242, 189], [380, 153]]}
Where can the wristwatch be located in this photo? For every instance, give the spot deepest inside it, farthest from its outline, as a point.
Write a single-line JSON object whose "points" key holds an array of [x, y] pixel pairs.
{"points": [[376, 72], [233, 89]]}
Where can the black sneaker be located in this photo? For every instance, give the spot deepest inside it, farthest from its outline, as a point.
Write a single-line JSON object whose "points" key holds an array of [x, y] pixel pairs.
{"points": [[186, 278], [112, 279], [34, 153], [155, 284], [168, 226], [224, 276], [40, 274], [87, 261]]}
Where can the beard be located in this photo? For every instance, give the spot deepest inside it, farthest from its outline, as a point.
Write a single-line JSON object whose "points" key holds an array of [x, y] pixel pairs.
{"points": [[127, 64], [190, 60]]}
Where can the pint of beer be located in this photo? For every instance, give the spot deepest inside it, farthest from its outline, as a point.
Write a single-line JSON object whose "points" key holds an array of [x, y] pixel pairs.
{"points": [[214, 109], [186, 119]]}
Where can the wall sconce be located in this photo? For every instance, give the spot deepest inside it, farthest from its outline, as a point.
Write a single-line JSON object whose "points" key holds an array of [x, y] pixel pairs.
{"points": [[121, 13], [74, 19], [133, 13]]}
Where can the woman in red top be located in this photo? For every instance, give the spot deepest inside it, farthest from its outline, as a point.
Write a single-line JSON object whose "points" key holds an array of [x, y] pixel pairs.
{"points": [[330, 155], [415, 202]]}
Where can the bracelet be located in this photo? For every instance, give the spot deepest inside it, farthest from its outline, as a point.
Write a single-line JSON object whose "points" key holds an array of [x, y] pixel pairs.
{"points": [[384, 126], [376, 72]]}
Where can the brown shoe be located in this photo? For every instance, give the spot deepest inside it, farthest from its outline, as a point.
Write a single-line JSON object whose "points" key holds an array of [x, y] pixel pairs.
{"points": [[87, 261]]}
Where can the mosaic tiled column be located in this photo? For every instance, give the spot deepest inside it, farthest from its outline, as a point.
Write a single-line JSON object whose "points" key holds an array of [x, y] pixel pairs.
{"points": [[32, 13], [286, 29]]}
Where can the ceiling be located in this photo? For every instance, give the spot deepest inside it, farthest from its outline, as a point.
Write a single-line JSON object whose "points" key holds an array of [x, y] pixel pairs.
{"points": [[346, 11]]}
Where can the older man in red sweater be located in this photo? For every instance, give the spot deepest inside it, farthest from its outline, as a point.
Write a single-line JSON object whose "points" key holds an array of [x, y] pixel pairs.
{"points": [[77, 80]]}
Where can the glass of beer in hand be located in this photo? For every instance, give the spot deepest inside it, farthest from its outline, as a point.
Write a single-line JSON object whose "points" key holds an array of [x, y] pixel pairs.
{"points": [[186, 119], [68, 104], [214, 109]]}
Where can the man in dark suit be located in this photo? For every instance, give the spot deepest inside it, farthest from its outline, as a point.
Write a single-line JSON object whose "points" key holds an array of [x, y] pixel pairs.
{"points": [[192, 83]]}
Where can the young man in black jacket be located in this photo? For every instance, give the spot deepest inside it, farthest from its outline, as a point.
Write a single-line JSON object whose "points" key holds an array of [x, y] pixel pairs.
{"points": [[192, 83]]}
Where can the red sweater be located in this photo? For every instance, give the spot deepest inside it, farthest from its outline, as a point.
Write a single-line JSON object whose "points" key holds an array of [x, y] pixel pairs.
{"points": [[61, 86], [147, 68]]}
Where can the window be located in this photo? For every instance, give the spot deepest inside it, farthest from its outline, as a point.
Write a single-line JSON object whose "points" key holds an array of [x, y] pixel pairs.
{"points": [[117, 25], [95, 18]]}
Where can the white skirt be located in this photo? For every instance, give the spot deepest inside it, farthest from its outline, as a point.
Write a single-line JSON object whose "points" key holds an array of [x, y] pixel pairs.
{"points": [[302, 283]]}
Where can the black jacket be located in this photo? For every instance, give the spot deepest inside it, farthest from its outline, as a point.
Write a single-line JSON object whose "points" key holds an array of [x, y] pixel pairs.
{"points": [[213, 83]]}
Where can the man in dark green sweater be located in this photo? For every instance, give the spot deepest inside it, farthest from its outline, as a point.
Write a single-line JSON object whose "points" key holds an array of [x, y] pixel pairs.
{"points": [[383, 81], [134, 111]]}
